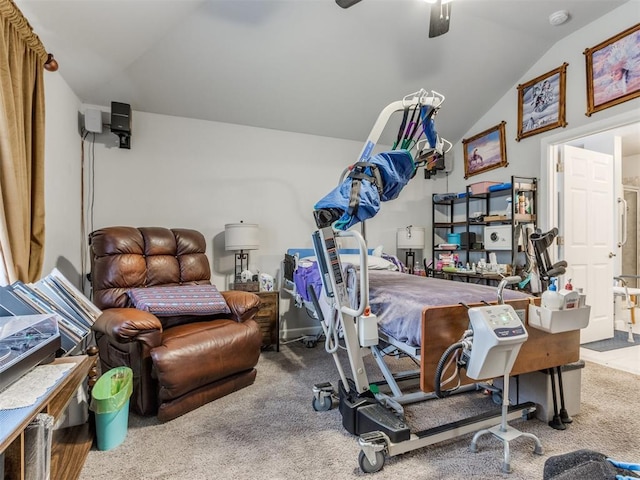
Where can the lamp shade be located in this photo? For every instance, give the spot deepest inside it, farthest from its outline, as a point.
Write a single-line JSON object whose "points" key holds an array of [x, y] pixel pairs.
{"points": [[410, 237], [241, 236]]}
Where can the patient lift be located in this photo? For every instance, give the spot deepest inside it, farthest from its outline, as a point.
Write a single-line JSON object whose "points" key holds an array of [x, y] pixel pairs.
{"points": [[376, 417]]}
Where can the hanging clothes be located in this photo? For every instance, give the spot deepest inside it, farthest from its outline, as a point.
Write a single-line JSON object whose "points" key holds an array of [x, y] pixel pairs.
{"points": [[379, 179]]}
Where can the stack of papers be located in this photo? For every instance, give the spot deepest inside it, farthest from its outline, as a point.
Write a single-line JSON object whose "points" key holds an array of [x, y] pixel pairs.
{"points": [[54, 294]]}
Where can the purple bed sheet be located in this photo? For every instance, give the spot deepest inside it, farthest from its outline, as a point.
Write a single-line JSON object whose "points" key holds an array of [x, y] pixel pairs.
{"points": [[398, 300]]}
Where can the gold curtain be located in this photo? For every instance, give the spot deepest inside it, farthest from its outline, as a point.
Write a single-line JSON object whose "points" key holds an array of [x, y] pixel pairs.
{"points": [[22, 58]]}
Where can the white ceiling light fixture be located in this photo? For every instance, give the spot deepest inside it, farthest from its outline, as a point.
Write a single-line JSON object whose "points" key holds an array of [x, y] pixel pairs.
{"points": [[559, 17]]}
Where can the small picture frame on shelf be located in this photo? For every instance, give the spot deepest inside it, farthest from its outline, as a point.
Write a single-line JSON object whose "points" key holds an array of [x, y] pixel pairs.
{"points": [[485, 151], [541, 103], [613, 70]]}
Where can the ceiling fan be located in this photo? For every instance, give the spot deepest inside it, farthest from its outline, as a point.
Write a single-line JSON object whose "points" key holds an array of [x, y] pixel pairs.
{"points": [[438, 18]]}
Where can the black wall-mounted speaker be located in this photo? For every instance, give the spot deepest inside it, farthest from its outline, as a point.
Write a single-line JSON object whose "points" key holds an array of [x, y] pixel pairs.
{"points": [[120, 117], [121, 122]]}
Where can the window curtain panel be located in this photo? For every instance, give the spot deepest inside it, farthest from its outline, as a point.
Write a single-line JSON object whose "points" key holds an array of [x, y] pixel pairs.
{"points": [[22, 59]]}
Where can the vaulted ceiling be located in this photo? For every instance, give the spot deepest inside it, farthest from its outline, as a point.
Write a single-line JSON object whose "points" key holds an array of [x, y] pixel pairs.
{"points": [[304, 66]]}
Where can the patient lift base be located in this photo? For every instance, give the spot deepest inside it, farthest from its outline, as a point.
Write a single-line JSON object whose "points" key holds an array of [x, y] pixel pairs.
{"points": [[375, 443]]}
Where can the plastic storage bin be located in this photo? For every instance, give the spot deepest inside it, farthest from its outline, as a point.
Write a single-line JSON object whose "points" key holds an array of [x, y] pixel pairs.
{"points": [[536, 387], [453, 238], [110, 402], [558, 321], [481, 187]]}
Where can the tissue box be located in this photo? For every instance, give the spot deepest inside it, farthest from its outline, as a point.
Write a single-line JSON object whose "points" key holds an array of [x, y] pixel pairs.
{"points": [[481, 187]]}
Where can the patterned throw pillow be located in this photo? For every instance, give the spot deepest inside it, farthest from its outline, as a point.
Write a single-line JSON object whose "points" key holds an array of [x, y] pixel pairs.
{"points": [[179, 300]]}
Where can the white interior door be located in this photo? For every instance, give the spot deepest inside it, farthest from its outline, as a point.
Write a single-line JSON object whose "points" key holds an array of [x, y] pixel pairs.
{"points": [[587, 219]]}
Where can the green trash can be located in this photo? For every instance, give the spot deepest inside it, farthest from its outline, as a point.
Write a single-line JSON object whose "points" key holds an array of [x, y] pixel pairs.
{"points": [[110, 403]]}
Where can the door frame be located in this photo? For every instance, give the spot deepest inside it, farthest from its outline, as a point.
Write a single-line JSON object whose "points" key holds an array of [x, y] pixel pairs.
{"points": [[636, 190]]}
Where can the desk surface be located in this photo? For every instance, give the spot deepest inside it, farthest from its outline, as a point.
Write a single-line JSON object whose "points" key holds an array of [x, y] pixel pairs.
{"points": [[14, 421]]}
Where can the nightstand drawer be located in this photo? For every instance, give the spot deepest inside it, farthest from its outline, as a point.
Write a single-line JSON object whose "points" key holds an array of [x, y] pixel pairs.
{"points": [[268, 318]]}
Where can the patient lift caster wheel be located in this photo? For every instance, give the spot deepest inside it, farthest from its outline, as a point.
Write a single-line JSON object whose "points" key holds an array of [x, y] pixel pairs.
{"points": [[322, 397], [309, 342], [365, 464], [321, 405], [372, 455]]}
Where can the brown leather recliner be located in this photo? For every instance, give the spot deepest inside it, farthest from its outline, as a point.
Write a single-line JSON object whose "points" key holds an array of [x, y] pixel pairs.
{"points": [[180, 362]]}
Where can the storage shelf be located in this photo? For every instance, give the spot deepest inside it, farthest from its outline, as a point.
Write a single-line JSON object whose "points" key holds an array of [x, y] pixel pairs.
{"points": [[449, 224], [492, 206]]}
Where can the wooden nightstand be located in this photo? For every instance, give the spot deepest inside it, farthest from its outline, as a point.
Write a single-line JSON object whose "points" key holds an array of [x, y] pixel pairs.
{"points": [[268, 317]]}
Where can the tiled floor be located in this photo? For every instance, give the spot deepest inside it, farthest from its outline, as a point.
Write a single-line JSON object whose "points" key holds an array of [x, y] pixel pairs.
{"points": [[627, 358]]}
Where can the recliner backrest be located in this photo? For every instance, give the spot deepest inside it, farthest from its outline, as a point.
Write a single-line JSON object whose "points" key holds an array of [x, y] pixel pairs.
{"points": [[128, 257]]}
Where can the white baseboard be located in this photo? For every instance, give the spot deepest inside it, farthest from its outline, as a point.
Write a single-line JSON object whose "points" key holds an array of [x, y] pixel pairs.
{"points": [[293, 333]]}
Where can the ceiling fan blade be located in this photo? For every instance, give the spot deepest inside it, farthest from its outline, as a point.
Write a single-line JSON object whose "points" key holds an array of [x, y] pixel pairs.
{"points": [[347, 3], [439, 18]]}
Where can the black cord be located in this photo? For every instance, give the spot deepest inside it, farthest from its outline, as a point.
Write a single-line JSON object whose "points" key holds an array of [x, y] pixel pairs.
{"points": [[93, 180]]}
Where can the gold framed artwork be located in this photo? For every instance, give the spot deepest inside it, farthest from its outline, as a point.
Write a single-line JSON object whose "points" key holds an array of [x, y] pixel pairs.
{"points": [[613, 70], [541, 103], [485, 151]]}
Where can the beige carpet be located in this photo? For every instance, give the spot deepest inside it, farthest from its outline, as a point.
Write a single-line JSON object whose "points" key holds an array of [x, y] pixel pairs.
{"points": [[270, 431]]}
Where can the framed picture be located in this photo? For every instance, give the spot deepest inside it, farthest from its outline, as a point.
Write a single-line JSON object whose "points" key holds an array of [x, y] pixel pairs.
{"points": [[613, 70], [485, 151], [541, 103]]}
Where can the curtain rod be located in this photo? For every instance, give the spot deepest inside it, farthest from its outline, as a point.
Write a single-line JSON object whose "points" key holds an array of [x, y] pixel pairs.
{"points": [[10, 12]]}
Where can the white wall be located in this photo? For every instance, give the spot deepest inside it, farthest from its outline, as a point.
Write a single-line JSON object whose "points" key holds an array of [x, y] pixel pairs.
{"points": [[62, 179], [190, 173], [631, 168]]}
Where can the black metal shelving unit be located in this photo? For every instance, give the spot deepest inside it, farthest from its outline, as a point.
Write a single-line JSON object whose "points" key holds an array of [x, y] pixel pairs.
{"points": [[472, 213]]}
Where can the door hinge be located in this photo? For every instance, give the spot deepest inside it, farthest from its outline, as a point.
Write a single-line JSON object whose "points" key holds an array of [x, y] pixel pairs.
{"points": [[559, 240], [560, 166]]}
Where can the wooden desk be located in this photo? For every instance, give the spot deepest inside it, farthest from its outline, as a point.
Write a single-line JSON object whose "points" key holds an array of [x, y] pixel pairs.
{"points": [[70, 446], [443, 326]]}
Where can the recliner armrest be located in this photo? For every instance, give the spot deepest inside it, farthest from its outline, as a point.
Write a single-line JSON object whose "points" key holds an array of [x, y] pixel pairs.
{"points": [[243, 305], [130, 325]]}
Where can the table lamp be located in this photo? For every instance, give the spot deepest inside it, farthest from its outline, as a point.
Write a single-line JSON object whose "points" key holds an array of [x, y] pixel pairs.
{"points": [[240, 237], [410, 238]]}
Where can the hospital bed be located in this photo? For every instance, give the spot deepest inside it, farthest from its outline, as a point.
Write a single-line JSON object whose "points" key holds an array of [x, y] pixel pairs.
{"points": [[422, 316]]}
